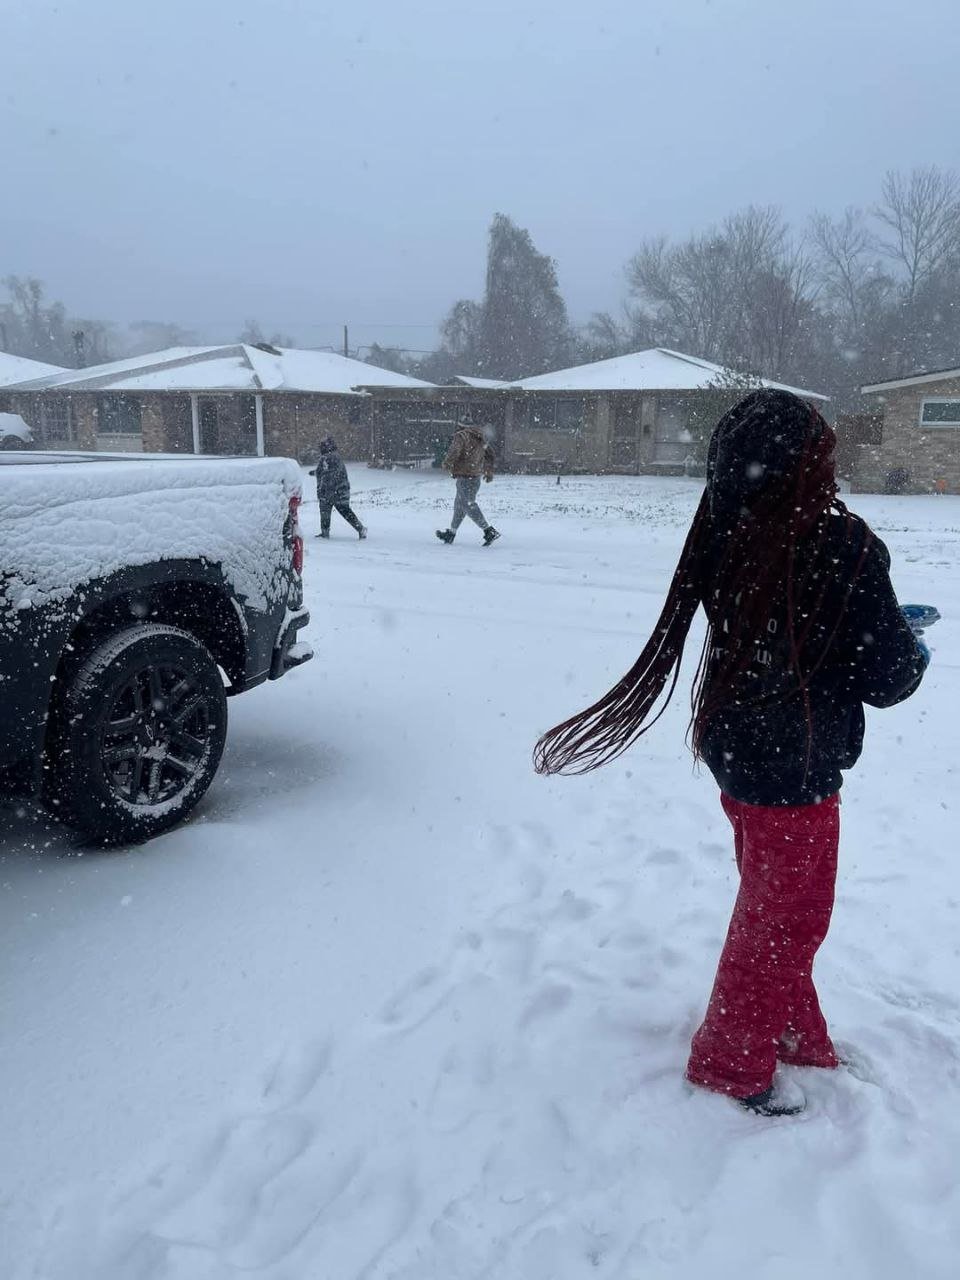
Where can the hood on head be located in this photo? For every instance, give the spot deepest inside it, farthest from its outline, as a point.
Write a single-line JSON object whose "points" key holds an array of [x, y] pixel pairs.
{"points": [[760, 439], [328, 445]]}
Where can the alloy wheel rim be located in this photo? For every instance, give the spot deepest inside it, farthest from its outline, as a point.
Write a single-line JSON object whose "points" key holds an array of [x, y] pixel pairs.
{"points": [[155, 736]]}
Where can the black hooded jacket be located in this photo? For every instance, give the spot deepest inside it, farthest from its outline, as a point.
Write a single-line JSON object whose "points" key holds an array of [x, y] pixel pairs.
{"points": [[333, 483], [760, 747]]}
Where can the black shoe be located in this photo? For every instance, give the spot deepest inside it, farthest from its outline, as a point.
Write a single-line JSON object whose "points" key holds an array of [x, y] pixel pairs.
{"points": [[490, 535], [769, 1104], [446, 535], [362, 532], [321, 534]]}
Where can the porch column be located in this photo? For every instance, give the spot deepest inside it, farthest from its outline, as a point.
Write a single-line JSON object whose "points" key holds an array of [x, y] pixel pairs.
{"points": [[258, 404], [195, 420]]}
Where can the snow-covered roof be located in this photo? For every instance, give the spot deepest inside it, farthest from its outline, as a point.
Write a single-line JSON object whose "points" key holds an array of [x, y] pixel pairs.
{"points": [[657, 369], [233, 368], [11, 424], [18, 368], [913, 380], [482, 384]]}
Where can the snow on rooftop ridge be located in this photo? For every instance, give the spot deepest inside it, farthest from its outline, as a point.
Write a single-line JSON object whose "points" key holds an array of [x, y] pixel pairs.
{"points": [[912, 380], [655, 369], [302, 370], [14, 369], [236, 367], [97, 376], [482, 384]]}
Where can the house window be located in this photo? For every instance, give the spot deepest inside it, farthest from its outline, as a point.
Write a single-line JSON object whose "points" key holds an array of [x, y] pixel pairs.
{"points": [[560, 414], [55, 419], [569, 415], [940, 412], [118, 416]]}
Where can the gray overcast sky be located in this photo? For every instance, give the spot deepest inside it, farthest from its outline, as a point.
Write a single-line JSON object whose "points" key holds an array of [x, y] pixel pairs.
{"points": [[311, 161]]}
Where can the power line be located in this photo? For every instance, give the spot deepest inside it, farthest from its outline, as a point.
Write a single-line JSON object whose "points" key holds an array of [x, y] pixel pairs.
{"points": [[311, 324]]}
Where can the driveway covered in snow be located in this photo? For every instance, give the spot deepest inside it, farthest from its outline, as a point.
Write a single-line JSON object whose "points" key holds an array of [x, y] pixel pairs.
{"points": [[390, 1006]]}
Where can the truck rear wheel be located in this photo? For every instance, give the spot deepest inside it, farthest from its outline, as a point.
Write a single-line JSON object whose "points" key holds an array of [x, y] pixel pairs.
{"points": [[137, 734]]}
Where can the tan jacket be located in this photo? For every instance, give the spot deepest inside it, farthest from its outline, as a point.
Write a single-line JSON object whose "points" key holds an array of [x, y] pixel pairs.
{"points": [[469, 456]]}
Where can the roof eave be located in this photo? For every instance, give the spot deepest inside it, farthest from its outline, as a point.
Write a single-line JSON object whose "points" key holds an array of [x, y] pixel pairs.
{"points": [[915, 380]]}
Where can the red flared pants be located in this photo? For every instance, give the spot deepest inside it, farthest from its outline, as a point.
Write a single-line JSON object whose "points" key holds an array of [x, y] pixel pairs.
{"points": [[764, 1005]]}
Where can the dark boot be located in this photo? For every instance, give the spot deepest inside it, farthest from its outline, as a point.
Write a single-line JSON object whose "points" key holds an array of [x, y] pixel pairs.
{"points": [[489, 535], [768, 1103], [446, 535], [362, 532]]}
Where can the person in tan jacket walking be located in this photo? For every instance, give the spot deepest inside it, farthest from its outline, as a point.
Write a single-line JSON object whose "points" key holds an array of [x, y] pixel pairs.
{"points": [[469, 458]]}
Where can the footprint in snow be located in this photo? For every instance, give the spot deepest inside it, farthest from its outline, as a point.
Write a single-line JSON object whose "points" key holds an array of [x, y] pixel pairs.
{"points": [[516, 951], [665, 858], [296, 1072], [455, 1099], [416, 1000], [294, 1206], [547, 1003], [219, 1212], [522, 838]]}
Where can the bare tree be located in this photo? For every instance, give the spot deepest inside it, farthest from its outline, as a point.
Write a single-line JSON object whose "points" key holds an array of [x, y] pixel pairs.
{"points": [[781, 299], [844, 251], [393, 358], [922, 215], [604, 336], [99, 340], [42, 330], [736, 294], [35, 328], [460, 335]]}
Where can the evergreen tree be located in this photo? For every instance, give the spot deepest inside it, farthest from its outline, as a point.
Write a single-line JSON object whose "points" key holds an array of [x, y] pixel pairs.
{"points": [[519, 329], [523, 324]]}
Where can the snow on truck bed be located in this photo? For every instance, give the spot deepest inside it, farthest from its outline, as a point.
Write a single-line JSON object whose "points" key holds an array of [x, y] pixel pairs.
{"points": [[64, 523]]}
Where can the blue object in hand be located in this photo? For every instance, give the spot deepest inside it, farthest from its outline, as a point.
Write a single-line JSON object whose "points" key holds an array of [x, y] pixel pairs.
{"points": [[921, 645], [920, 616]]}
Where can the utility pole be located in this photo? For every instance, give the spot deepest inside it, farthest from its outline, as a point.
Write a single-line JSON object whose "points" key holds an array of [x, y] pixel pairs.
{"points": [[3, 336], [346, 341]]}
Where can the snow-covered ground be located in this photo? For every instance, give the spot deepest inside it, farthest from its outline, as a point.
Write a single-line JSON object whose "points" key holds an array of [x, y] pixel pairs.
{"points": [[392, 1007]]}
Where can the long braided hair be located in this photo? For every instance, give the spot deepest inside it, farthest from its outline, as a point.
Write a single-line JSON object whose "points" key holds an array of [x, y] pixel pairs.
{"points": [[771, 485]]}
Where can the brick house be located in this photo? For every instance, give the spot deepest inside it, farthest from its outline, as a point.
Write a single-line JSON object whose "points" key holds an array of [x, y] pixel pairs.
{"points": [[916, 445], [644, 413], [236, 399]]}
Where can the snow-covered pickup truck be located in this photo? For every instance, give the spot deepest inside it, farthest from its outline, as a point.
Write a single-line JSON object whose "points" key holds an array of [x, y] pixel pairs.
{"points": [[136, 594]]}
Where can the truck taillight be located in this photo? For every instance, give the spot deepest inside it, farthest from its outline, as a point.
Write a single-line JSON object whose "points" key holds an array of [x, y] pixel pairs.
{"points": [[295, 531]]}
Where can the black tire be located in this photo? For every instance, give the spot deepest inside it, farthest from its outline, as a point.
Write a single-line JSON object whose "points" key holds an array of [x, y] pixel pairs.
{"points": [[136, 735]]}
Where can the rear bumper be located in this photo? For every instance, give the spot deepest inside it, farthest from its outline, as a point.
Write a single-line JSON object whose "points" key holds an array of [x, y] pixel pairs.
{"points": [[289, 652]]}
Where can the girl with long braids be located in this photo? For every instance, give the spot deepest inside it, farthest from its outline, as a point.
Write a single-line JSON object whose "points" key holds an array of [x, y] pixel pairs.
{"points": [[803, 628]]}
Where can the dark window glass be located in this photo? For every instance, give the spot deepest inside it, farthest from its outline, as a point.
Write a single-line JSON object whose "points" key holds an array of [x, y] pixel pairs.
{"points": [[569, 415], [118, 416], [946, 412], [542, 414]]}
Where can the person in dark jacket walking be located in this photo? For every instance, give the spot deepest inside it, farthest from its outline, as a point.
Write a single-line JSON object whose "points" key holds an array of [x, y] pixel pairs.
{"points": [[803, 628], [333, 489], [468, 458]]}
